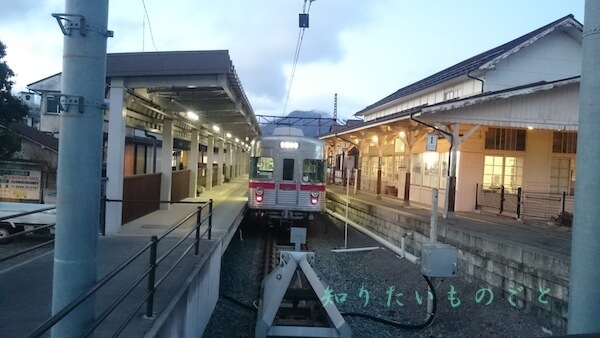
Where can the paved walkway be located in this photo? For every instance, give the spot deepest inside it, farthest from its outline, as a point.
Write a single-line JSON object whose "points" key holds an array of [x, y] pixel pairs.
{"points": [[26, 289], [550, 240]]}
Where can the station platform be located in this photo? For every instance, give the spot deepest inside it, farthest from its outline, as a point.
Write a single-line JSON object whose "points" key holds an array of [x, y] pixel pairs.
{"points": [[495, 251], [550, 240], [26, 288]]}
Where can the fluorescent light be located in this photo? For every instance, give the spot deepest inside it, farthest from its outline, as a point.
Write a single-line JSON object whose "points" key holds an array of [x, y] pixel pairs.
{"points": [[192, 116]]}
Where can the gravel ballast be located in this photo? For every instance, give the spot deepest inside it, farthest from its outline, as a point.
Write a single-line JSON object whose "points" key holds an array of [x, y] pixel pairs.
{"points": [[395, 288]]}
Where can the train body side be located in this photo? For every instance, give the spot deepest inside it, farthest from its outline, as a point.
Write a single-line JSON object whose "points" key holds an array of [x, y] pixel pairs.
{"points": [[287, 176]]}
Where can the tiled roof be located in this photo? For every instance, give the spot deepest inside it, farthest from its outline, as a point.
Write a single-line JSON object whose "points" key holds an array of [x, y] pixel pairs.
{"points": [[36, 136], [466, 66]]}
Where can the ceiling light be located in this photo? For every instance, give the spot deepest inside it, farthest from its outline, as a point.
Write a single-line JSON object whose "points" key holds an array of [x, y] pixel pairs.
{"points": [[228, 135], [237, 140], [375, 138], [402, 134], [216, 128], [192, 116]]}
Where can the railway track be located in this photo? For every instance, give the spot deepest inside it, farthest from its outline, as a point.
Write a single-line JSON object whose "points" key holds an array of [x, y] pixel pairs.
{"points": [[300, 305]]}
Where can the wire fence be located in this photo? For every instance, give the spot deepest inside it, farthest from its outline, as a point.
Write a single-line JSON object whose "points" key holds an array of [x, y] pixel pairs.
{"points": [[531, 206]]}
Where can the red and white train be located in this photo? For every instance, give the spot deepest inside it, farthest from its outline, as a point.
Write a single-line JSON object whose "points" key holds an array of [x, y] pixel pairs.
{"points": [[287, 176]]}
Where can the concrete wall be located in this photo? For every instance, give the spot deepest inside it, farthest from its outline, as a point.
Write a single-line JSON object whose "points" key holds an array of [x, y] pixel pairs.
{"points": [[501, 265], [191, 308]]}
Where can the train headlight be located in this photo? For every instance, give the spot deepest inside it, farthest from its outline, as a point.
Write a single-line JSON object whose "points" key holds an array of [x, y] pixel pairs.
{"points": [[314, 197], [259, 193], [288, 145]]}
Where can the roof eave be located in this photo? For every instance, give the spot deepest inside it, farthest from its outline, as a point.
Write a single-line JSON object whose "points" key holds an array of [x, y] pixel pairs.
{"points": [[570, 21]]}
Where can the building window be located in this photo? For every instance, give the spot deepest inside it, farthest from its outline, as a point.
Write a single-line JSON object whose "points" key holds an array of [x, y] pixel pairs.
{"points": [[431, 169], [499, 171], [562, 176], [52, 104], [387, 166], [452, 94], [416, 175], [444, 171], [564, 142], [364, 165], [505, 139]]}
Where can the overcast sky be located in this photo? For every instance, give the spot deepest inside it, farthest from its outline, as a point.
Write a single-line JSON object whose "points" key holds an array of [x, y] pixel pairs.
{"points": [[362, 50]]}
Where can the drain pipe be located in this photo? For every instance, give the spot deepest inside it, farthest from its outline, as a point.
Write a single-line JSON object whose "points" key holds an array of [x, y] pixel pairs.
{"points": [[477, 79], [154, 141], [451, 191]]}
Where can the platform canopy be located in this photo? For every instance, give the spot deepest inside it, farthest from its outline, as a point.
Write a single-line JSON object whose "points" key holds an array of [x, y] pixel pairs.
{"points": [[198, 89]]}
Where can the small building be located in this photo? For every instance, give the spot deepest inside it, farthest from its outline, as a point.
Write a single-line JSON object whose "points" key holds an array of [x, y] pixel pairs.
{"points": [[496, 132], [31, 175]]}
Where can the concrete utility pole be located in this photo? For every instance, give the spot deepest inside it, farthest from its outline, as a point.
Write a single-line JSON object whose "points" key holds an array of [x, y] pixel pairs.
{"points": [[584, 292], [80, 159]]}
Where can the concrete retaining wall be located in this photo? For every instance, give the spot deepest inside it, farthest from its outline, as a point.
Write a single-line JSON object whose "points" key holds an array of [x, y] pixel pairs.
{"points": [[502, 265], [190, 309]]}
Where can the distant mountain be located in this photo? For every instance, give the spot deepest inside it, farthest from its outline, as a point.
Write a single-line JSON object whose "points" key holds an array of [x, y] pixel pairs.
{"points": [[312, 123]]}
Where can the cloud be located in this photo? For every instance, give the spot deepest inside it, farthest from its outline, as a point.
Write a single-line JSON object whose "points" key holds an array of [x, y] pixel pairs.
{"points": [[362, 50]]}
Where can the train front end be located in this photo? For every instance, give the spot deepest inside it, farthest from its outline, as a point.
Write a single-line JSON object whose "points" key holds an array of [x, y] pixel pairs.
{"points": [[287, 177]]}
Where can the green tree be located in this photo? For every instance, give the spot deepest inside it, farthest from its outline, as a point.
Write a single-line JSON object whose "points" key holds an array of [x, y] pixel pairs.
{"points": [[12, 110]]}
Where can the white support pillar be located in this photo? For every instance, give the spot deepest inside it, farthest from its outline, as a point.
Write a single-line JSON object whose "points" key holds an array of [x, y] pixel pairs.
{"points": [[234, 161], [228, 161], [210, 158], [115, 156], [245, 164], [193, 164], [165, 163], [220, 143]]}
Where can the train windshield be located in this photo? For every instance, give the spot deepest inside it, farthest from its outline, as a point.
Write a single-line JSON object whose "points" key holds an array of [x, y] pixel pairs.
{"points": [[313, 171], [288, 169], [261, 168]]}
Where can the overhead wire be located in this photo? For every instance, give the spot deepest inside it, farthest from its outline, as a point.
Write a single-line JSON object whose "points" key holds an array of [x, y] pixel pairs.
{"points": [[149, 25], [305, 10]]}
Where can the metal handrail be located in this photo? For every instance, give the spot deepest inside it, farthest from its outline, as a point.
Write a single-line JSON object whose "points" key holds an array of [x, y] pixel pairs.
{"points": [[25, 213], [23, 233], [148, 299]]}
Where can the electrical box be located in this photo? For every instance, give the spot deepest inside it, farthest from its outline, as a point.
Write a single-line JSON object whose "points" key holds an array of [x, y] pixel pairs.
{"points": [[303, 20], [439, 260]]}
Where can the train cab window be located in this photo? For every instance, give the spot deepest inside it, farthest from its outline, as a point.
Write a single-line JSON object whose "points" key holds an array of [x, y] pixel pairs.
{"points": [[288, 169], [261, 168], [313, 171]]}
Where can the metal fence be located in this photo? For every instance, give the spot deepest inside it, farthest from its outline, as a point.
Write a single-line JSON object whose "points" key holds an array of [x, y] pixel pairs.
{"points": [[150, 275], [540, 207]]}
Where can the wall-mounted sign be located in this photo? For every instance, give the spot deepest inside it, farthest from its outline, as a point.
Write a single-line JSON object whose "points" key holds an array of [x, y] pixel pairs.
{"points": [[20, 184], [431, 142]]}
